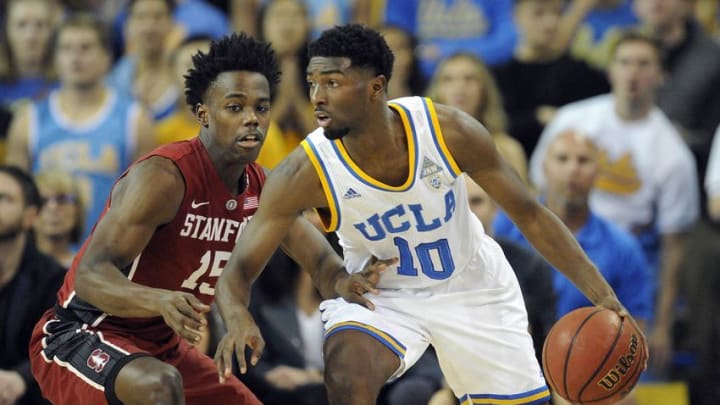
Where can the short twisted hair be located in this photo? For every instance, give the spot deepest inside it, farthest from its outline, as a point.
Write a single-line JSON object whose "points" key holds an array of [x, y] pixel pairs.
{"points": [[231, 53], [366, 48]]}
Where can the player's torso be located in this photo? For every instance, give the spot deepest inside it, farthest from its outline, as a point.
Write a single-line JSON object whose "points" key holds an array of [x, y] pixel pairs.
{"points": [[426, 222], [193, 249], [190, 252]]}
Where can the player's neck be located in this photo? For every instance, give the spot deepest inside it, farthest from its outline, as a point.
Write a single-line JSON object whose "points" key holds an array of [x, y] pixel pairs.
{"points": [[376, 138], [231, 173], [11, 251]]}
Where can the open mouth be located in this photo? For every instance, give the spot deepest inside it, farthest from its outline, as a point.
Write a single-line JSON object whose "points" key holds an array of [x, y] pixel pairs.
{"points": [[249, 141], [323, 119]]}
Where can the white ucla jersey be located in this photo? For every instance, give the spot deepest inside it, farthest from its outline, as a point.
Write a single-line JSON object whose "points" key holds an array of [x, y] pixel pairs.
{"points": [[426, 222]]}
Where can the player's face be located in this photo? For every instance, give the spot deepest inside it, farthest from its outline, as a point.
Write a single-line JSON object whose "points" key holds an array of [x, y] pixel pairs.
{"points": [[570, 168], [459, 85], [635, 72], [339, 93], [12, 208], [80, 59], [538, 21], [28, 29], [237, 114]]}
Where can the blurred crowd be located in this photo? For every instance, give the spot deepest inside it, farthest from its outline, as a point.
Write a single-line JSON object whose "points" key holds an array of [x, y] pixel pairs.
{"points": [[609, 109]]}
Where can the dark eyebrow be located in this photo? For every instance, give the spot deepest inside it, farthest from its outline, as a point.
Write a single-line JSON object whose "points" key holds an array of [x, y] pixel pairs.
{"points": [[327, 72], [235, 94], [244, 96]]}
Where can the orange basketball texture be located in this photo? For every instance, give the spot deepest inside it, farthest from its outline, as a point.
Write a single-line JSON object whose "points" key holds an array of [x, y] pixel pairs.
{"points": [[592, 356]]}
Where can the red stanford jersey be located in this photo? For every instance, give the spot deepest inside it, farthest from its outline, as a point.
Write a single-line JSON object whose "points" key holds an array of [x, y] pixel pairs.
{"points": [[187, 254]]}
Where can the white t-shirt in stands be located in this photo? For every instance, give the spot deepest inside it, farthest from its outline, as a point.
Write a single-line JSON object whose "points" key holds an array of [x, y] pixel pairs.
{"points": [[647, 172]]}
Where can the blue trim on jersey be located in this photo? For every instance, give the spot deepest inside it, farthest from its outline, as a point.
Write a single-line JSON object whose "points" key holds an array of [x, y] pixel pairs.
{"points": [[414, 164], [435, 135], [533, 397], [335, 200]]}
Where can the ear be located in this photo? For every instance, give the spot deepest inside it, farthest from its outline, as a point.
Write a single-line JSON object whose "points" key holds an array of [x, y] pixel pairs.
{"points": [[201, 115], [378, 86]]}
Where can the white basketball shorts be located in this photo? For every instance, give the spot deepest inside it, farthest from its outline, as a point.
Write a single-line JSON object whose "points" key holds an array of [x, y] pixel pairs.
{"points": [[477, 323]]}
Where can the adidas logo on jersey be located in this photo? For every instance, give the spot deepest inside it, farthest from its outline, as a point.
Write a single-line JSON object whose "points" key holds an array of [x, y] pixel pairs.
{"points": [[350, 193], [429, 168]]}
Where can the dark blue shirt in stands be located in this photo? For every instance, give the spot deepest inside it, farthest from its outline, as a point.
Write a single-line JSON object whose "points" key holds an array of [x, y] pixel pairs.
{"points": [[616, 254]]}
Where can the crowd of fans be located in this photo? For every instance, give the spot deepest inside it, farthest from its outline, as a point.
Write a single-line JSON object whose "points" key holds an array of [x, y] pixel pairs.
{"points": [[609, 108]]}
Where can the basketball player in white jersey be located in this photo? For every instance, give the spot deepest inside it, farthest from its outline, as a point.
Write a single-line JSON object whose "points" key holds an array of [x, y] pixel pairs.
{"points": [[386, 177]]}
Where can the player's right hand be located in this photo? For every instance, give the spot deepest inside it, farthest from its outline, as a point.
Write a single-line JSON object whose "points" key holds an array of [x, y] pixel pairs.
{"points": [[239, 335], [184, 313], [353, 287]]}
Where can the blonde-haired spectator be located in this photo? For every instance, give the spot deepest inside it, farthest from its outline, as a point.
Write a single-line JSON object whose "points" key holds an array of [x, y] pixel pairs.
{"points": [[463, 81], [61, 221]]}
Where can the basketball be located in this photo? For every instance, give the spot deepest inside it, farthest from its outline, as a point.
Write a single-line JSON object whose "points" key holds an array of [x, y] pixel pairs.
{"points": [[592, 356]]}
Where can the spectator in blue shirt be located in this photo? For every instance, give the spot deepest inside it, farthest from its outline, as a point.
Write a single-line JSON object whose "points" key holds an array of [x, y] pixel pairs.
{"points": [[570, 168]]}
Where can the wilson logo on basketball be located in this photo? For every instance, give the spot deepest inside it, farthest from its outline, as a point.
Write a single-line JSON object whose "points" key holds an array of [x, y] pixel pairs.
{"points": [[613, 377], [97, 360]]}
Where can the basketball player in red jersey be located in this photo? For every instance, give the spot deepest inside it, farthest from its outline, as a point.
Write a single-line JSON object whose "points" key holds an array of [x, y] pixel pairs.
{"points": [[137, 290]]}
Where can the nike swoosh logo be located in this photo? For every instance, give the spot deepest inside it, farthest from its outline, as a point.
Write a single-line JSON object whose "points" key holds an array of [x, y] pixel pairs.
{"points": [[194, 205]]}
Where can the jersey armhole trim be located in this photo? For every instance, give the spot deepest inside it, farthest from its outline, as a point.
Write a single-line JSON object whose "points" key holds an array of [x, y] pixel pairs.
{"points": [[439, 138], [334, 223]]}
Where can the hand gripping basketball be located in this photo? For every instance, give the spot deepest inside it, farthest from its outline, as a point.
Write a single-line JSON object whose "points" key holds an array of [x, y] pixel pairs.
{"points": [[594, 355]]}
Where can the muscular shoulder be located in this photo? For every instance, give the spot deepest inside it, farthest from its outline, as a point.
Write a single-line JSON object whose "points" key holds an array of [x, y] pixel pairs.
{"points": [[296, 179], [153, 187], [467, 139]]}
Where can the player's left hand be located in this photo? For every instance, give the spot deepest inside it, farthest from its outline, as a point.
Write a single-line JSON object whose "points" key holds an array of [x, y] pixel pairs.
{"points": [[353, 287], [239, 335], [613, 304]]}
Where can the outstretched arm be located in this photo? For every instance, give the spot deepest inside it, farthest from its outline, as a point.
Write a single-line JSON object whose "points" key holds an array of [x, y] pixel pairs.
{"points": [[474, 151], [278, 222], [284, 196], [120, 236]]}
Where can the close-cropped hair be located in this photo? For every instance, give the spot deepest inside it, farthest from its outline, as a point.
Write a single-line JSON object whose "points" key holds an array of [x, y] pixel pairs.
{"points": [[85, 20], [31, 195], [365, 47], [235, 52]]}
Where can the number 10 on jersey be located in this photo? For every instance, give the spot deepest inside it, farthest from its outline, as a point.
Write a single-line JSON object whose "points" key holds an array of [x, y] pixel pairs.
{"points": [[435, 259]]}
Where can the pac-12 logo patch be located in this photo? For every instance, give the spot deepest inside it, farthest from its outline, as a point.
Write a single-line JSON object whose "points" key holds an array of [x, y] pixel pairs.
{"points": [[97, 360]]}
